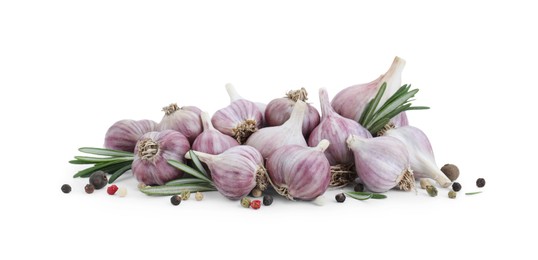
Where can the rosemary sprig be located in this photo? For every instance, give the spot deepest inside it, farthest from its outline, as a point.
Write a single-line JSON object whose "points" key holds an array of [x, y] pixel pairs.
{"points": [[473, 193], [365, 195], [374, 118]]}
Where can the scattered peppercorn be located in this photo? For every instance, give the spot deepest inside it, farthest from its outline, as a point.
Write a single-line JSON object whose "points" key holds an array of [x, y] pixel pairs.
{"points": [[89, 188], [175, 200], [432, 191], [245, 202], [452, 194], [185, 195], [340, 197], [359, 187], [480, 182], [456, 186], [98, 179], [255, 204], [198, 196], [66, 188], [122, 192], [267, 200], [256, 193], [111, 190], [425, 182], [141, 185], [451, 171]]}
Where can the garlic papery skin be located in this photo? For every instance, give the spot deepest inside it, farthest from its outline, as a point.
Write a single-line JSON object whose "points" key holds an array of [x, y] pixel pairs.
{"points": [[278, 111], [421, 154], [234, 95], [236, 171], [185, 120], [153, 150], [211, 140], [336, 129], [268, 139], [298, 172], [351, 101], [382, 163], [239, 120], [124, 134]]}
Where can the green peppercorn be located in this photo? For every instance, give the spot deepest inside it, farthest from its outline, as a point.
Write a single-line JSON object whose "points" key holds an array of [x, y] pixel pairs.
{"points": [[359, 187], [185, 195], [480, 182], [175, 200], [432, 191], [267, 200], [66, 188], [89, 188], [452, 194], [456, 186], [340, 197], [245, 202]]}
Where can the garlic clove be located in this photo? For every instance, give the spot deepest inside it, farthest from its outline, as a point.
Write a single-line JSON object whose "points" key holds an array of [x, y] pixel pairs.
{"points": [[382, 163], [351, 101], [211, 140], [298, 172], [268, 139], [239, 119], [185, 120], [153, 150], [124, 134], [421, 154]]}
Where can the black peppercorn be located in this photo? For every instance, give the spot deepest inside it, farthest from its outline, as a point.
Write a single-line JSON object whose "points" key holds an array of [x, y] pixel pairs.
{"points": [[456, 186], [175, 200], [98, 179], [480, 182], [340, 197], [267, 200], [359, 187], [66, 188], [89, 188]]}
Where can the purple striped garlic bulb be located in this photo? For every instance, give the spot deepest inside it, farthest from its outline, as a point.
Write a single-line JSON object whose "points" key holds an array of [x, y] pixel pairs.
{"points": [[351, 101], [268, 139], [239, 120], [278, 111], [152, 152], [421, 153], [185, 120], [234, 95], [124, 134], [298, 172], [382, 163], [236, 171], [211, 140]]}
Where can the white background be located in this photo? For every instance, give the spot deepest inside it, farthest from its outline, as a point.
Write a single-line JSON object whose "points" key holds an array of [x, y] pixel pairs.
{"points": [[69, 69]]}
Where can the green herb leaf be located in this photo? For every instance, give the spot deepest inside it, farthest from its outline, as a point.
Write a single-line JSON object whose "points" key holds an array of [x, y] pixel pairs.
{"points": [[90, 159], [105, 152], [372, 105], [119, 173], [359, 197], [473, 193], [368, 195], [198, 164], [175, 189], [189, 170], [184, 181], [102, 166]]}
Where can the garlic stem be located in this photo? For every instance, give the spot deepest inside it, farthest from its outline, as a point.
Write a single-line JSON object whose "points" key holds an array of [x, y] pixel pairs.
{"points": [[297, 116], [232, 92], [206, 121], [204, 157], [326, 108], [322, 146]]}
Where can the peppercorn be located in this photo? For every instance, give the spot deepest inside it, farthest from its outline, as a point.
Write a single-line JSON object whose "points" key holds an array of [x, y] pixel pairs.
{"points": [[185, 195], [256, 193], [451, 171], [175, 200], [66, 188], [245, 202], [425, 182], [255, 204], [359, 187], [89, 188], [480, 182], [98, 179], [267, 200], [122, 192], [111, 190], [452, 194], [456, 186], [340, 197], [432, 191], [198, 196]]}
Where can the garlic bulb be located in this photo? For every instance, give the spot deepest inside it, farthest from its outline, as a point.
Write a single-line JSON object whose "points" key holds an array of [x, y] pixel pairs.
{"points": [[268, 139], [124, 134], [232, 92], [211, 140], [278, 111], [336, 129], [351, 101], [382, 163], [185, 120], [236, 171], [420, 153], [299, 172], [239, 120], [152, 152]]}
